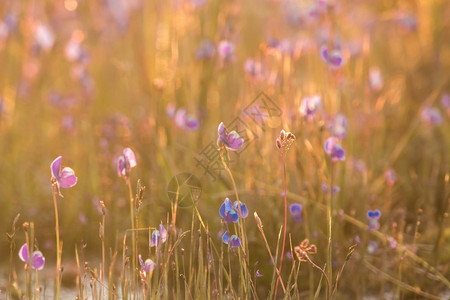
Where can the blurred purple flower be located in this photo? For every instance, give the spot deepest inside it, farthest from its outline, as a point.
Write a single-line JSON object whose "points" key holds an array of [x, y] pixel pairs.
{"points": [[310, 106], [158, 236], [257, 274], [205, 50], [232, 241], [373, 216], [253, 69], [334, 58], [339, 126], [148, 265], [226, 50], [431, 115], [65, 178], [334, 149], [228, 211], [391, 177], [171, 110], [38, 259], [325, 188], [296, 211], [44, 37], [445, 102], [231, 140], [126, 162], [185, 121]]}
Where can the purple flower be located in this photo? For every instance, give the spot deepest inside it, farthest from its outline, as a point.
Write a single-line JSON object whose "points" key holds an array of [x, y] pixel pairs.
{"points": [[231, 140], [310, 106], [296, 211], [228, 211], [38, 259], [257, 274], [325, 188], [158, 236], [225, 50], [333, 58], [391, 177], [339, 126], [126, 162], [243, 208], [445, 101], [253, 68], [148, 265], [205, 50], [431, 115], [373, 216], [232, 241], [65, 178], [185, 121], [334, 149]]}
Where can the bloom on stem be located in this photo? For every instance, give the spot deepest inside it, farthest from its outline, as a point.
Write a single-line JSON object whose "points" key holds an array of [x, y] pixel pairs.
{"points": [[148, 265], [310, 106], [37, 258], [333, 58], [126, 162], [373, 216], [230, 212], [233, 241], [64, 178], [296, 211], [334, 149], [231, 140], [158, 236]]}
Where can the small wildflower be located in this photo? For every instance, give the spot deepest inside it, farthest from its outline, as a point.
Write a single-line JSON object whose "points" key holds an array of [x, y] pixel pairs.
{"points": [[372, 247], [445, 101], [253, 69], [231, 140], [126, 162], [296, 211], [257, 274], [310, 106], [233, 241], [205, 50], [64, 178], [334, 149], [185, 121], [333, 58], [148, 265], [228, 211], [226, 50], [38, 259], [431, 115], [373, 216], [375, 79], [158, 236], [339, 126]]}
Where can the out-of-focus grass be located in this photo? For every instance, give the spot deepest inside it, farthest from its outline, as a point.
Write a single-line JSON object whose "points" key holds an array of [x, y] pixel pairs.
{"points": [[142, 56]]}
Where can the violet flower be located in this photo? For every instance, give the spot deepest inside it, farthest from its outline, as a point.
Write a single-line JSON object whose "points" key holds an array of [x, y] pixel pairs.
{"points": [[373, 216], [333, 58], [65, 178], [126, 162], [232, 241], [228, 211], [231, 140], [158, 236], [38, 259], [339, 126], [148, 265], [431, 115], [310, 106], [225, 49], [296, 210], [334, 149]]}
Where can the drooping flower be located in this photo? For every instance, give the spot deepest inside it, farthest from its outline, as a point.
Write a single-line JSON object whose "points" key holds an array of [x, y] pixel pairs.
{"points": [[38, 259], [65, 178], [296, 210], [233, 241], [231, 140], [228, 211], [126, 162], [334, 149], [431, 115], [148, 265], [373, 216], [310, 106], [333, 58], [158, 236], [339, 126]]}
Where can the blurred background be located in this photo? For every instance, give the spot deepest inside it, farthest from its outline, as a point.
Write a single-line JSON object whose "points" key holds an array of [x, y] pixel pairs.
{"points": [[85, 79]]}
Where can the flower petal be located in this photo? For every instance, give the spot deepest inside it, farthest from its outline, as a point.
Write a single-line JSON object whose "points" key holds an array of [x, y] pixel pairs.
{"points": [[235, 241], [234, 141], [149, 265], [55, 167], [130, 157], [23, 253], [68, 178], [225, 237], [163, 233], [244, 210], [38, 260]]}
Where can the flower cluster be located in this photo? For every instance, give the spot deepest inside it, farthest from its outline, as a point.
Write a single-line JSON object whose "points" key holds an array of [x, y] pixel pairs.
{"points": [[285, 140], [230, 213]]}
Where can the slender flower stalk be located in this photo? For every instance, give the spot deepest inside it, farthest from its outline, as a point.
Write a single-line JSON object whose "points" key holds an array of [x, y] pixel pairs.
{"points": [[283, 143], [58, 245]]}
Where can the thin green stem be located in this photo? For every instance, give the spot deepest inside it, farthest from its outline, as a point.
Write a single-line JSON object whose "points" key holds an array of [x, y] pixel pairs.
{"points": [[58, 245], [329, 223], [133, 234]]}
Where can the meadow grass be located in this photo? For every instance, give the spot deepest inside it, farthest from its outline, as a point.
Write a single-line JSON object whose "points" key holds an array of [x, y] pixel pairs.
{"points": [[357, 208]]}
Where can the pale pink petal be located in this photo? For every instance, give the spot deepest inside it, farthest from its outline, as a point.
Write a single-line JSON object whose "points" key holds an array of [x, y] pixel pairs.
{"points": [[68, 178]]}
